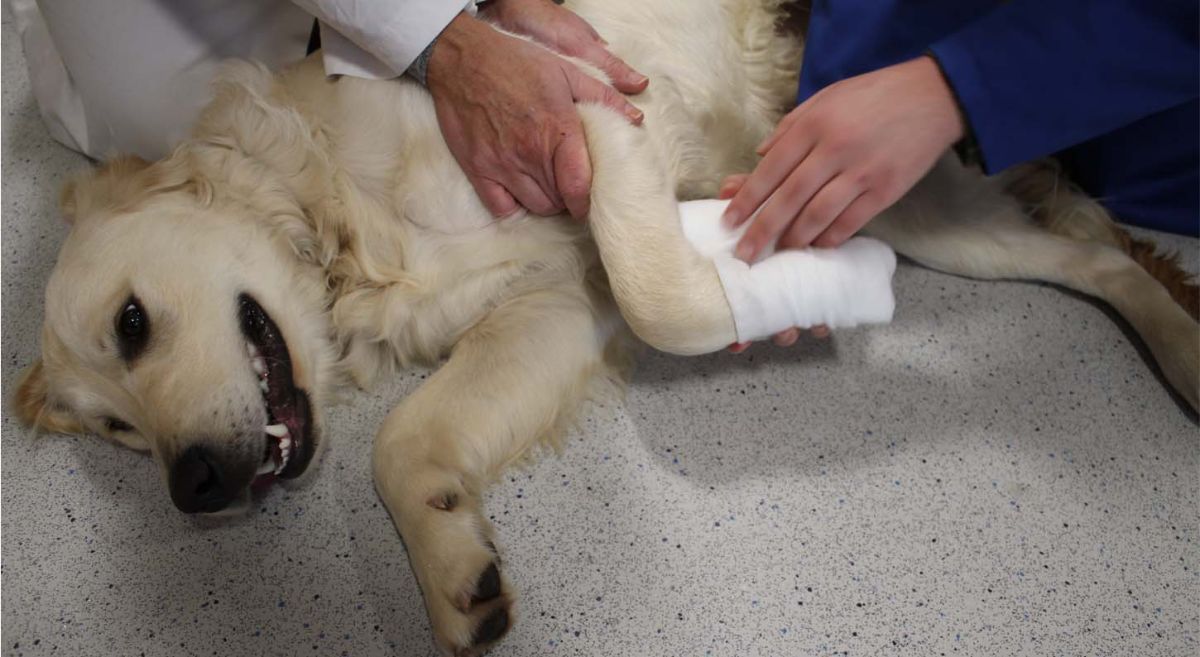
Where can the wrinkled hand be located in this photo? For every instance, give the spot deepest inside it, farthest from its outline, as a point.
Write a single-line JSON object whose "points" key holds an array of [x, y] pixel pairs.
{"points": [[506, 108], [563, 31], [844, 156]]}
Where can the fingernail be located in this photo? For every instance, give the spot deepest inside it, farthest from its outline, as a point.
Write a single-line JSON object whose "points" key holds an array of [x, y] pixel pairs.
{"points": [[744, 252], [640, 79], [636, 115], [729, 218], [739, 347]]}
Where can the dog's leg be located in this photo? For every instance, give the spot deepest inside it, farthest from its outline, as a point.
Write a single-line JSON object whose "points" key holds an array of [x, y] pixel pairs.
{"points": [[963, 225], [670, 295], [512, 381]]}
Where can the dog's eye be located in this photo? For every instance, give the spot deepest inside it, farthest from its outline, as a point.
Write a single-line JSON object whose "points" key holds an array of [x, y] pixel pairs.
{"points": [[133, 328], [114, 425]]}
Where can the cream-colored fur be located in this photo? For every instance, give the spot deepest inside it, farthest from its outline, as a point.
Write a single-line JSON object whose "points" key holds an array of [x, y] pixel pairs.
{"points": [[338, 206]]}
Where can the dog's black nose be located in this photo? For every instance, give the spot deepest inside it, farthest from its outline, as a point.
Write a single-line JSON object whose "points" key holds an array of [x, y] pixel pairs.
{"points": [[199, 483]]}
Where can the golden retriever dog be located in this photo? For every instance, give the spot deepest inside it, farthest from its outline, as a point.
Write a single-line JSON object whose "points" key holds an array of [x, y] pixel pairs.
{"points": [[316, 233]]}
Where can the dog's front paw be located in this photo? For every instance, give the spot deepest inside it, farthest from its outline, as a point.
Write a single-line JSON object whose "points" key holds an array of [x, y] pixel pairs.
{"points": [[484, 612], [470, 603]]}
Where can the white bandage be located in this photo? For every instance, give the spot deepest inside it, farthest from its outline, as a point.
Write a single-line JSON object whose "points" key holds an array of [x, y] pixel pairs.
{"points": [[840, 288]]}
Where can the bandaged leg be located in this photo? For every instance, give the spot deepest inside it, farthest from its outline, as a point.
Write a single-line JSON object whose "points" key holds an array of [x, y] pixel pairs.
{"points": [[839, 288], [673, 274]]}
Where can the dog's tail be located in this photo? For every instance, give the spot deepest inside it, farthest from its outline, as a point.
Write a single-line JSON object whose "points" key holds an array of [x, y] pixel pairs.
{"points": [[1060, 207]]}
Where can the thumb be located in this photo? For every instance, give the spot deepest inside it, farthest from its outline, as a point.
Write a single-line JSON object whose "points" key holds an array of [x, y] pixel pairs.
{"points": [[780, 129], [573, 173]]}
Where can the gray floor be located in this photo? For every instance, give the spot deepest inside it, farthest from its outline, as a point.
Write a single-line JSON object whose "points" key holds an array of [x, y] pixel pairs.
{"points": [[997, 472]]}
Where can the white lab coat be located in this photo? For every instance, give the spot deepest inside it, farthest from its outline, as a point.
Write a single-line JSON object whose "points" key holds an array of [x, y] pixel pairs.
{"points": [[130, 76]]}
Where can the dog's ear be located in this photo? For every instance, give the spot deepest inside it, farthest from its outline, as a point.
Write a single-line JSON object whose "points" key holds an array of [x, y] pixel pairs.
{"points": [[33, 407], [112, 186]]}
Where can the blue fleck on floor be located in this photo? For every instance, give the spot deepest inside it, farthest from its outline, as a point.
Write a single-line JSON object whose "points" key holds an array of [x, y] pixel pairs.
{"points": [[998, 472]]}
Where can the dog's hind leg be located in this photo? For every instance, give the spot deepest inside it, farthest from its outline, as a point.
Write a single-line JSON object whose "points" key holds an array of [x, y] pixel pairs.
{"points": [[1055, 203], [514, 380], [961, 224]]}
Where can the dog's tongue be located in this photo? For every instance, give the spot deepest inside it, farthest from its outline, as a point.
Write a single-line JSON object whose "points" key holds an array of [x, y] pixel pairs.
{"points": [[262, 482]]}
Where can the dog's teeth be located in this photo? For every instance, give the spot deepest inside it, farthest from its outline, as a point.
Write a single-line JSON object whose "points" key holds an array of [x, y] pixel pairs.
{"points": [[283, 461], [285, 442], [279, 431], [259, 365], [262, 385], [251, 349], [265, 467]]}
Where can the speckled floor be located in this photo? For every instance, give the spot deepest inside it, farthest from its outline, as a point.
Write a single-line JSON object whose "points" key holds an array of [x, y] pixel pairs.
{"points": [[998, 472]]}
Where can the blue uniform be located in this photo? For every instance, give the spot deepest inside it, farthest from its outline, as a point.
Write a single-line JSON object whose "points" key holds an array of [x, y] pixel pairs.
{"points": [[1111, 87]]}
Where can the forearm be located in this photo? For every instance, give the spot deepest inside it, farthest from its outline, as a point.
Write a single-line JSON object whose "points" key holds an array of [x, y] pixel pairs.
{"points": [[396, 33], [1036, 76]]}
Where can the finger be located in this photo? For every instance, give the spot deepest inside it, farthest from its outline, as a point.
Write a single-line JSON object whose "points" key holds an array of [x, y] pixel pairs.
{"points": [[590, 30], [624, 78], [784, 125], [495, 198], [820, 331], [585, 88], [786, 338], [576, 23], [739, 347], [573, 173], [820, 212], [731, 185], [787, 206], [770, 173], [850, 221], [530, 194]]}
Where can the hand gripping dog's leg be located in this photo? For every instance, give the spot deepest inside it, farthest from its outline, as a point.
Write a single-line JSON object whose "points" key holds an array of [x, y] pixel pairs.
{"points": [[679, 287], [514, 380]]}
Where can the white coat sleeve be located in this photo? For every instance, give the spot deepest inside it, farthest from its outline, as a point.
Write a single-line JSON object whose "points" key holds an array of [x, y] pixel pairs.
{"points": [[379, 39]]}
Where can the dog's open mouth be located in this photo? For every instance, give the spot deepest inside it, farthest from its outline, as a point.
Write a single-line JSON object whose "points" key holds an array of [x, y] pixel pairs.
{"points": [[288, 439]]}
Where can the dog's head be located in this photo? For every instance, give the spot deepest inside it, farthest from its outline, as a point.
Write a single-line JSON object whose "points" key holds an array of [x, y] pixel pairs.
{"points": [[179, 323]]}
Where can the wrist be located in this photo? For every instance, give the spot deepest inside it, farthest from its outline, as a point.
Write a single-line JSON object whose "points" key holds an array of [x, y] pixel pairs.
{"points": [[964, 143], [451, 48], [943, 105], [510, 12]]}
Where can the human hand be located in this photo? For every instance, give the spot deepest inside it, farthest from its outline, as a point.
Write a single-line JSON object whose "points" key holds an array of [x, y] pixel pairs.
{"points": [[844, 156], [563, 31], [786, 337], [506, 108]]}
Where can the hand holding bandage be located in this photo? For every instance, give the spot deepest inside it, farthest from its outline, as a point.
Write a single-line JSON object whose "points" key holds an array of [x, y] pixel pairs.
{"points": [[671, 268], [839, 288]]}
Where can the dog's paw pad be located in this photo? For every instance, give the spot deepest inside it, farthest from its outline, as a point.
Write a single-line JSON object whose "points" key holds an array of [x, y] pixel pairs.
{"points": [[485, 624], [491, 629], [443, 501], [488, 587]]}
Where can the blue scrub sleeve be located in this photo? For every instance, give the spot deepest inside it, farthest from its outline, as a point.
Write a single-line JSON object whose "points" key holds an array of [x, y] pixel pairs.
{"points": [[1034, 77]]}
